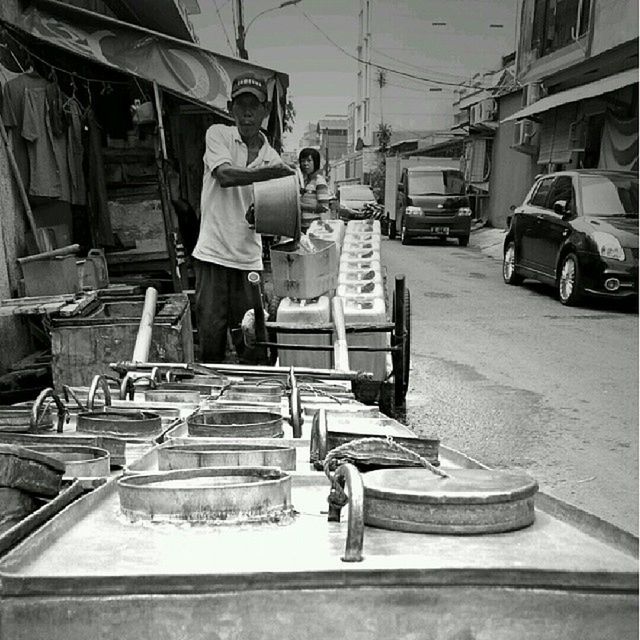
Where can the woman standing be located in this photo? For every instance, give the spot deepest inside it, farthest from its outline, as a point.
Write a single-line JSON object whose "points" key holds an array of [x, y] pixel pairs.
{"points": [[315, 192]]}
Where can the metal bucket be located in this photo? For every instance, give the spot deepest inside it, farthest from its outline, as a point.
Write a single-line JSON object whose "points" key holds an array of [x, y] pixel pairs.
{"points": [[235, 423], [193, 456], [277, 206], [133, 424], [222, 494], [17, 419], [79, 461]]}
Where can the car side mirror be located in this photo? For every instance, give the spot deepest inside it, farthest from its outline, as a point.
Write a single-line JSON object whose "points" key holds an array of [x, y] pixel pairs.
{"points": [[560, 207], [401, 187]]}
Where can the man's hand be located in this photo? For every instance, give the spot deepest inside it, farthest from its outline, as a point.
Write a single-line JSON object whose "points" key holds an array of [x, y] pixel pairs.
{"points": [[281, 171]]}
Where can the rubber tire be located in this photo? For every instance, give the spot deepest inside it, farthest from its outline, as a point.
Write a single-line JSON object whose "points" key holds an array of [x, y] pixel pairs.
{"points": [[577, 293], [403, 236], [463, 241], [392, 229], [406, 355], [515, 278]]}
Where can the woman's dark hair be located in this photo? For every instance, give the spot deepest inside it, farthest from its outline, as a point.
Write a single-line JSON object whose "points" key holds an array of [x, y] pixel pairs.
{"points": [[314, 154]]}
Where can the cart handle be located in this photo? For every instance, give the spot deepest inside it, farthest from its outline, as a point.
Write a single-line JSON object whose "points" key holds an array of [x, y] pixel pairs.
{"points": [[37, 411], [98, 380], [128, 384]]}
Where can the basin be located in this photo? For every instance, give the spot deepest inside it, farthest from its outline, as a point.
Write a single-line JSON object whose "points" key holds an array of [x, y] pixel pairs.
{"points": [[80, 461], [466, 501], [123, 423], [235, 423], [215, 495], [191, 456], [253, 392], [17, 419]]}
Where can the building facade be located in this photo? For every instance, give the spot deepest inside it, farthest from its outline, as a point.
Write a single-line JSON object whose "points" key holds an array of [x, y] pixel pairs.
{"points": [[453, 41]]}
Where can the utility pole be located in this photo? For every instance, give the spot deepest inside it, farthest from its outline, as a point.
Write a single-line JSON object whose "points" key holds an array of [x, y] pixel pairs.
{"points": [[382, 81], [242, 52]]}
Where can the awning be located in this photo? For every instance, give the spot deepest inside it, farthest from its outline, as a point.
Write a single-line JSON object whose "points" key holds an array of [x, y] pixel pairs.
{"points": [[181, 67], [583, 92]]}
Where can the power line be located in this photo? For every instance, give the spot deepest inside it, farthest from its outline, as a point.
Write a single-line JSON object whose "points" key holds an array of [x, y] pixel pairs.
{"points": [[224, 28], [390, 70]]}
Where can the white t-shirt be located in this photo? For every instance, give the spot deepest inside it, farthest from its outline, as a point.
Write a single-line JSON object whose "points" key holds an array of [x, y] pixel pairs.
{"points": [[225, 237]]}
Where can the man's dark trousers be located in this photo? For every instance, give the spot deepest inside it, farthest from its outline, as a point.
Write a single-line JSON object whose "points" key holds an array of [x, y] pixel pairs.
{"points": [[223, 295]]}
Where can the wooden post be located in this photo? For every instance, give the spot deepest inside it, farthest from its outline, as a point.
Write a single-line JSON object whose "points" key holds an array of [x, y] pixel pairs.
{"points": [[143, 339], [340, 350], [21, 189], [178, 275]]}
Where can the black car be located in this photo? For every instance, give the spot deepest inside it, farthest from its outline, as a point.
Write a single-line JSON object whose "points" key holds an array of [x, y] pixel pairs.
{"points": [[578, 231]]}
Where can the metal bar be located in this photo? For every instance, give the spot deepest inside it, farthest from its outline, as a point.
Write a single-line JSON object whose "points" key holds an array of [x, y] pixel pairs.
{"points": [[398, 340], [240, 369], [325, 347], [288, 327], [258, 315]]}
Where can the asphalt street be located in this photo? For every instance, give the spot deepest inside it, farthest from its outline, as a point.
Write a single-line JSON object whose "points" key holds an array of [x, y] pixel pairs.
{"points": [[513, 378]]}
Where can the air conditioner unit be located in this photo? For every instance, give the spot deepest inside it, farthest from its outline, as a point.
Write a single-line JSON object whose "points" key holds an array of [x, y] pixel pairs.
{"points": [[531, 93], [488, 110], [523, 133], [578, 135]]}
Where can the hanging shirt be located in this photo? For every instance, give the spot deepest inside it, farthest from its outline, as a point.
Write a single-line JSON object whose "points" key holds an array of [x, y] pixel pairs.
{"points": [[75, 152], [225, 237], [44, 169]]}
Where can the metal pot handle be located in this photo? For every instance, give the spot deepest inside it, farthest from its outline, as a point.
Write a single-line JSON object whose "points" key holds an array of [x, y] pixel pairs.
{"points": [[295, 408], [318, 439], [69, 392], [348, 474], [128, 384], [37, 411], [98, 380]]}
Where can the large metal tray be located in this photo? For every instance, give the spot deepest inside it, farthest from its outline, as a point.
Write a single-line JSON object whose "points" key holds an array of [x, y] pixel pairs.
{"points": [[89, 572]]}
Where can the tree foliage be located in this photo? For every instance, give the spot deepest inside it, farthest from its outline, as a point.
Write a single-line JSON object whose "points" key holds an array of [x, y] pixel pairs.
{"points": [[289, 117], [377, 177]]}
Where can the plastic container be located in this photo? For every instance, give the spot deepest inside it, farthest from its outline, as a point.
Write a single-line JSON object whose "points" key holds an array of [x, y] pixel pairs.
{"points": [[300, 274], [369, 289], [354, 264], [353, 255], [367, 226], [356, 242], [305, 312], [359, 276], [332, 230], [372, 311]]}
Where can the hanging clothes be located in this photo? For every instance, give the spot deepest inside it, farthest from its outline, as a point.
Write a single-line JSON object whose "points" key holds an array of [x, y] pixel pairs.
{"points": [[75, 152], [619, 145]]}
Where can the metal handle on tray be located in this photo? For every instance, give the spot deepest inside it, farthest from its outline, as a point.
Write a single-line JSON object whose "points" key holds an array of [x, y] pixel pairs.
{"points": [[295, 408], [37, 411], [98, 380], [318, 440], [348, 474]]}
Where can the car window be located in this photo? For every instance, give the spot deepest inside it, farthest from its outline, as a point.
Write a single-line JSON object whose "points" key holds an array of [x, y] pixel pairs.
{"points": [[562, 189], [539, 198], [356, 193], [422, 183], [609, 195]]}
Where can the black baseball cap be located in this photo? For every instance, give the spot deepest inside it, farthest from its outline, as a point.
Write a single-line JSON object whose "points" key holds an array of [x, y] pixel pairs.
{"points": [[249, 83]]}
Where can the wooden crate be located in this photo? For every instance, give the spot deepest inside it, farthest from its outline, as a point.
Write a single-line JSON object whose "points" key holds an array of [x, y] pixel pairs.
{"points": [[85, 345]]}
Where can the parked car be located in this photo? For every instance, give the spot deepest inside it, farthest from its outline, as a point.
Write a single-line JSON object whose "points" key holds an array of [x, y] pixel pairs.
{"points": [[578, 231], [432, 202], [352, 199]]}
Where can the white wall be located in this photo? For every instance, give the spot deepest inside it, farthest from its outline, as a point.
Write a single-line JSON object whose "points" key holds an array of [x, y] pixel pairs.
{"points": [[615, 22]]}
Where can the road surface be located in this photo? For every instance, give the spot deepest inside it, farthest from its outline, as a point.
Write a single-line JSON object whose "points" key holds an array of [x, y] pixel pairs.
{"points": [[514, 379]]}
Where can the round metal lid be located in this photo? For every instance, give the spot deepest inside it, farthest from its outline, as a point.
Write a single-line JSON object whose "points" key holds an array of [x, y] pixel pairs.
{"points": [[463, 486]]}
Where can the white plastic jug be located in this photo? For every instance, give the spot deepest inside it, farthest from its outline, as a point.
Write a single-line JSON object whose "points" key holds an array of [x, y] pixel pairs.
{"points": [[305, 312]]}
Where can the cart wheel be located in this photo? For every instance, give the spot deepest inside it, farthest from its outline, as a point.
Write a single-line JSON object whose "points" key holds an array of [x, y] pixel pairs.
{"points": [[406, 343]]}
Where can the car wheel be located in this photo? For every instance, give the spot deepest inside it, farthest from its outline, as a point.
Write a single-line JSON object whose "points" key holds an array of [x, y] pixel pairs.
{"points": [[404, 238], [464, 241], [569, 281], [509, 269]]}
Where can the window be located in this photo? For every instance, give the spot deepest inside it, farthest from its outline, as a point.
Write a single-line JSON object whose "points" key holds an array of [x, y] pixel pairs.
{"points": [[539, 198], [424, 183], [556, 23], [610, 195], [562, 189]]}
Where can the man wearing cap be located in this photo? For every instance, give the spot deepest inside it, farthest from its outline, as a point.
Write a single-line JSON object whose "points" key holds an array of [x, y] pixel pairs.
{"points": [[228, 248]]}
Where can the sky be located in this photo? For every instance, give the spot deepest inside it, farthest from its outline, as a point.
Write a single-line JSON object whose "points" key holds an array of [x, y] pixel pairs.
{"points": [[323, 79]]}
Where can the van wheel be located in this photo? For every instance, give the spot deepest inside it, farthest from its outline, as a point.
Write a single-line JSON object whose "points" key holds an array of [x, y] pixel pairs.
{"points": [[404, 238], [463, 240]]}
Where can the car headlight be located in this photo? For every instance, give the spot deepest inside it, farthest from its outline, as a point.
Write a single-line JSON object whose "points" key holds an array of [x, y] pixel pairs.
{"points": [[608, 246], [413, 211], [464, 211]]}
